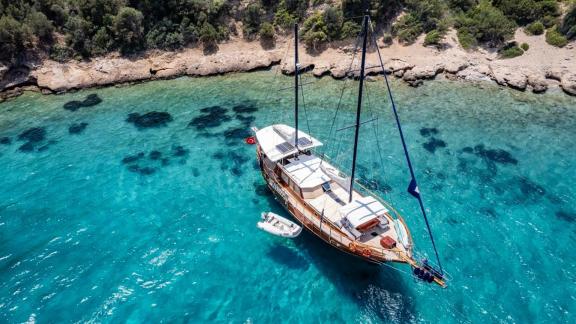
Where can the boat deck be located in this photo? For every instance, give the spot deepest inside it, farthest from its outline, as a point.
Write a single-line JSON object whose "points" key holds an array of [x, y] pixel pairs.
{"points": [[309, 212], [329, 203]]}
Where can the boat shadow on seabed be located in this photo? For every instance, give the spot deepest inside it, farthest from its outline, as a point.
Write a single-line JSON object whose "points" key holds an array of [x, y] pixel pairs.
{"points": [[378, 290]]}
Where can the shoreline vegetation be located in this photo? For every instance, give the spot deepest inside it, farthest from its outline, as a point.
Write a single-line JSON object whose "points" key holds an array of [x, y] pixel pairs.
{"points": [[55, 46]]}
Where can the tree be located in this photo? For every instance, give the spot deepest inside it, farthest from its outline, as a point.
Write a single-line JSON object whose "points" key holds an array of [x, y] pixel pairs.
{"points": [[267, 35], [267, 31], [209, 37], [333, 20], [251, 20], [350, 29], [568, 26], [14, 38], [408, 28], [78, 35], [41, 26], [129, 30], [527, 11], [486, 24], [314, 30], [101, 42], [283, 19]]}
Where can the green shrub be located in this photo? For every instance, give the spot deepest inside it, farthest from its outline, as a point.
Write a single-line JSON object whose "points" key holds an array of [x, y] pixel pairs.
{"points": [[208, 36], [535, 28], [251, 20], [165, 35], [14, 38], [350, 29], [408, 28], [101, 42], [61, 53], [466, 40], [78, 35], [387, 39], [428, 13], [568, 26], [267, 31], [333, 20], [525, 46], [433, 37], [549, 21], [315, 38], [41, 26], [511, 50], [283, 19], [129, 30], [315, 30], [526, 11], [486, 24], [554, 38]]}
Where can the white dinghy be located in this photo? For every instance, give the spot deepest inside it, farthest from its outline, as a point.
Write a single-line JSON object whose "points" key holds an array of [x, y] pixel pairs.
{"points": [[278, 225]]}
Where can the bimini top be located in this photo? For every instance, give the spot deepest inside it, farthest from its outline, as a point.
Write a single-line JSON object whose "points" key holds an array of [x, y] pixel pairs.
{"points": [[362, 210], [277, 141]]}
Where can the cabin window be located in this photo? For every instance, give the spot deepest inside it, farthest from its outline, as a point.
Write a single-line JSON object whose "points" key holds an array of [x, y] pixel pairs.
{"points": [[326, 187]]}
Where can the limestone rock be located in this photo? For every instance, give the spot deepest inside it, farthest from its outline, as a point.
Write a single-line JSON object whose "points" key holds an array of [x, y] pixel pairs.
{"points": [[513, 78], [288, 68], [554, 74], [3, 70], [454, 67], [568, 83], [537, 83], [415, 76], [13, 77], [321, 70], [398, 65], [475, 73]]}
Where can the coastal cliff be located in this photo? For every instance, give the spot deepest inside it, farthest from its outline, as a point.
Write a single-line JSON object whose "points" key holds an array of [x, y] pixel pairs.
{"points": [[540, 68]]}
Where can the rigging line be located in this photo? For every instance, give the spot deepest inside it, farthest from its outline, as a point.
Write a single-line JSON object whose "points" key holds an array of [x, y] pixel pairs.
{"points": [[279, 68], [339, 145], [356, 44], [419, 197], [378, 147], [304, 106]]}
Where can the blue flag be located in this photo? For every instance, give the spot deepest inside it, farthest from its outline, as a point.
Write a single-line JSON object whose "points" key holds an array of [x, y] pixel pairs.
{"points": [[413, 189]]}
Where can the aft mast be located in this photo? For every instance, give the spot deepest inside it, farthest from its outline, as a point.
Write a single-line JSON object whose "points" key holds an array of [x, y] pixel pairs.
{"points": [[359, 108]]}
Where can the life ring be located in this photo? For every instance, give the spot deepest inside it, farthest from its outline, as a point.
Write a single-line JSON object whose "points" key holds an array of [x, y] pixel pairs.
{"points": [[250, 140]]}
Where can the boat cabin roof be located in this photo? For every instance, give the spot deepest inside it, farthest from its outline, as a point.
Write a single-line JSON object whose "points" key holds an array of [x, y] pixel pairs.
{"points": [[277, 141], [305, 171], [362, 210]]}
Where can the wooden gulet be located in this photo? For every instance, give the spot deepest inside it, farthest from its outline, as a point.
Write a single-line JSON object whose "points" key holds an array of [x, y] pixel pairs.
{"points": [[332, 206]]}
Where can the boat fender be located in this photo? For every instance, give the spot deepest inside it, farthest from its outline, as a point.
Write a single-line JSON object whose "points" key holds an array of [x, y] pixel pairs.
{"points": [[250, 140], [417, 272], [352, 247], [366, 253]]}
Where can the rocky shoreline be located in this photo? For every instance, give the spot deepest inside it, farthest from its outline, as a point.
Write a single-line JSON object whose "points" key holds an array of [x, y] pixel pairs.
{"points": [[538, 70]]}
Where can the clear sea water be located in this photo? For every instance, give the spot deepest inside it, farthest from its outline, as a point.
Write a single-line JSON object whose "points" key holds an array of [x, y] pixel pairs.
{"points": [[116, 223]]}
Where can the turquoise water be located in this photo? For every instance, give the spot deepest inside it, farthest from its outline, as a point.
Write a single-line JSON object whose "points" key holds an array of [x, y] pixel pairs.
{"points": [[114, 223]]}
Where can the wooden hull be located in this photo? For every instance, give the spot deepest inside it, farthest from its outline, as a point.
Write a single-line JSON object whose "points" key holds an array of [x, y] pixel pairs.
{"points": [[281, 192]]}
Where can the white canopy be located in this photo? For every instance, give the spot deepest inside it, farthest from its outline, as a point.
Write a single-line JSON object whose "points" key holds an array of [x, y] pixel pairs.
{"points": [[306, 171], [277, 141], [362, 210]]}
